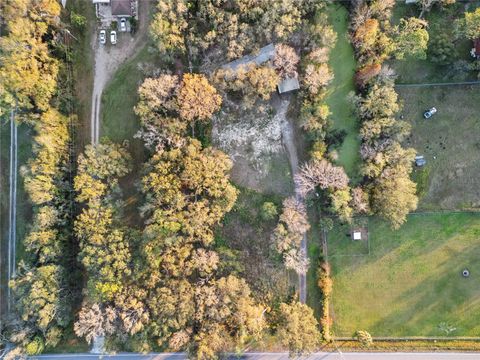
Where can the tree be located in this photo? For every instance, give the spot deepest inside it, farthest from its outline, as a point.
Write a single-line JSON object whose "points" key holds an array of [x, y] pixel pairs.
{"points": [[441, 48], [288, 235], [470, 26], [317, 77], [285, 61], [39, 300], [158, 95], [360, 202], [380, 101], [94, 321], [251, 81], [411, 39], [320, 173], [188, 189], [78, 20], [28, 72], [104, 248], [169, 26], [197, 99], [297, 329], [427, 4]]}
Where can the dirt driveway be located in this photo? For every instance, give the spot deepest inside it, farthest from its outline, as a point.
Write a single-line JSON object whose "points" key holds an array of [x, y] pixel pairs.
{"points": [[108, 59]]}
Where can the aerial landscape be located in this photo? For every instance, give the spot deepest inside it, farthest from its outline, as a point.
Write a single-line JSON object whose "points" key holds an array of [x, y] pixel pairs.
{"points": [[212, 179]]}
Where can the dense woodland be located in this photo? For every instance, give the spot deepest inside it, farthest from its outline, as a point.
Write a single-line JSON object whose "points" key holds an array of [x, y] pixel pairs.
{"points": [[165, 285]]}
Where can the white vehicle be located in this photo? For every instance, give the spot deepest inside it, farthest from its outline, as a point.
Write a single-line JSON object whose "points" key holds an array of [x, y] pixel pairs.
{"points": [[123, 24], [429, 113], [102, 37], [113, 37]]}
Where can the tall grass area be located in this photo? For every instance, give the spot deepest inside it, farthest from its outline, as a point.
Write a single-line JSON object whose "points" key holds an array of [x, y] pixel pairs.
{"points": [[118, 120], [412, 283], [343, 64]]}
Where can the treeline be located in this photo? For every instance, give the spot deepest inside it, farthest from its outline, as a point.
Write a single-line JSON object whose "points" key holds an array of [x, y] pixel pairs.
{"points": [[386, 164], [42, 288], [231, 29]]}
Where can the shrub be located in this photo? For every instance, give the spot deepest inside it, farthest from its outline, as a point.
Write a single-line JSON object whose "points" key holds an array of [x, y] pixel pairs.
{"points": [[269, 211], [35, 346], [364, 338]]}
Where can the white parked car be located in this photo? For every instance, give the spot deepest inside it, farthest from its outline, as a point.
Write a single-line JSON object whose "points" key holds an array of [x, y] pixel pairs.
{"points": [[113, 37], [123, 24], [102, 37], [429, 113]]}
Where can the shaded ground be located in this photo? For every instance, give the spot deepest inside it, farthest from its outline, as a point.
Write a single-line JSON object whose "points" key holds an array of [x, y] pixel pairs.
{"points": [[411, 284], [449, 141], [244, 232], [440, 21], [343, 64]]}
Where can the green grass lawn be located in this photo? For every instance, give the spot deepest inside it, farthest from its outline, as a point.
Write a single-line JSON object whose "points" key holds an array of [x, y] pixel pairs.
{"points": [[449, 141], [411, 283], [119, 123], [343, 64]]}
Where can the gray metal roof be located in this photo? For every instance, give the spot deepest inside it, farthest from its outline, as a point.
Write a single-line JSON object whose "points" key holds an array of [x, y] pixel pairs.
{"points": [[289, 84], [264, 54]]}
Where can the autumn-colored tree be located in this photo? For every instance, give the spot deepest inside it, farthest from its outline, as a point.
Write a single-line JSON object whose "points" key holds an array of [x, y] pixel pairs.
{"points": [[251, 81], [366, 35], [28, 72], [94, 320], [40, 300], [104, 248], [325, 284], [317, 77], [285, 61], [191, 182], [197, 99], [297, 329], [320, 173], [289, 232], [470, 25], [169, 25], [364, 74]]}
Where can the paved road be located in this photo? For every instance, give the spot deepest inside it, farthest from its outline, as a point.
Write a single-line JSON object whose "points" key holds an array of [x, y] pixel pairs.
{"points": [[275, 356]]}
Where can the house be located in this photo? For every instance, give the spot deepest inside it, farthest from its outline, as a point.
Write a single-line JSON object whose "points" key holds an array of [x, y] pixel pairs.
{"points": [[122, 8], [113, 10], [475, 52], [411, 1]]}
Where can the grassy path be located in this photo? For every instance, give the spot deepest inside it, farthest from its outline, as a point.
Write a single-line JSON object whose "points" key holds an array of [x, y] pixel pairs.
{"points": [[342, 62]]}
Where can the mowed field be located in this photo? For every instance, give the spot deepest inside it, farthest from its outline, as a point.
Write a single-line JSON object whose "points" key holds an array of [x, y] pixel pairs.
{"points": [[411, 283], [450, 143]]}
